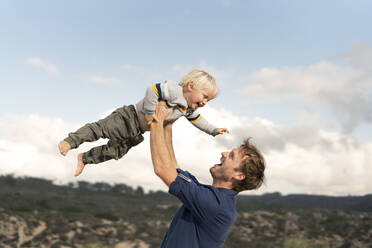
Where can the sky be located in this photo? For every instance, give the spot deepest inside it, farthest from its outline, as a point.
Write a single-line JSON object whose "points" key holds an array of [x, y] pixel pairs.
{"points": [[296, 76]]}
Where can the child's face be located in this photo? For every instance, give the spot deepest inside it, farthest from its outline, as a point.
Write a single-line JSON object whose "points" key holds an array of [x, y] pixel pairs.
{"points": [[197, 98]]}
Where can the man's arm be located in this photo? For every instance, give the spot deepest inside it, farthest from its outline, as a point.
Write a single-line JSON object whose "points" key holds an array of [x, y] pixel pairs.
{"points": [[164, 165], [168, 138]]}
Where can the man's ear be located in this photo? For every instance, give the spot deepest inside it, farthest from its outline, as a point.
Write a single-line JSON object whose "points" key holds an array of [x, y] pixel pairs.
{"points": [[239, 176]]}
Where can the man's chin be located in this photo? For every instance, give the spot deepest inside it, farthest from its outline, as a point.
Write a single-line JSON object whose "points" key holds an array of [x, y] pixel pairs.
{"points": [[212, 170]]}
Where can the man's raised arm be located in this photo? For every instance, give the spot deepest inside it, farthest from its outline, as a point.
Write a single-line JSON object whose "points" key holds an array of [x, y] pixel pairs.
{"points": [[169, 139], [162, 158]]}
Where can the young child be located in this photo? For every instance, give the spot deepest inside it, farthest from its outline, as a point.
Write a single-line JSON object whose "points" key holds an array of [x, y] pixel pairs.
{"points": [[124, 127]]}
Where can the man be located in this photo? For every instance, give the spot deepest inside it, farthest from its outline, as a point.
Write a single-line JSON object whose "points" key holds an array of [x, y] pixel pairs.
{"points": [[208, 211]]}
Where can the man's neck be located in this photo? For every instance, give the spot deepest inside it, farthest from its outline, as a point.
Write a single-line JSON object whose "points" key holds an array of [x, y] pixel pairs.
{"points": [[222, 184]]}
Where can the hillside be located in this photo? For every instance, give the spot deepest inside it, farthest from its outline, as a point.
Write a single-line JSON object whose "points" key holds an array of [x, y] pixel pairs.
{"points": [[36, 213]]}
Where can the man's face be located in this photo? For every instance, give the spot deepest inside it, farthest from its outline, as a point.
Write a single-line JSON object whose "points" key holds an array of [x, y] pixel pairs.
{"points": [[228, 168]]}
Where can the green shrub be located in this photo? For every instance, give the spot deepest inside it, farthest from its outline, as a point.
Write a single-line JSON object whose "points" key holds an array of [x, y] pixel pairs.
{"points": [[303, 243], [296, 243], [107, 216]]}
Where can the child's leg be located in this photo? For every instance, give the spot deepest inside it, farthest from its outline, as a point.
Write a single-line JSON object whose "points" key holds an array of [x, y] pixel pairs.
{"points": [[64, 147], [99, 154], [80, 165], [88, 133], [123, 130], [119, 125], [112, 150]]}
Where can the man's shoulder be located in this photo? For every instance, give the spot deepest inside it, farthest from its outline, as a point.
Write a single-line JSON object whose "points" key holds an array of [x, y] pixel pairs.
{"points": [[184, 174], [187, 176]]}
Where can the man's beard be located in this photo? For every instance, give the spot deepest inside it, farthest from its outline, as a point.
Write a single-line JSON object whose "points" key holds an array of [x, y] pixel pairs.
{"points": [[218, 174]]}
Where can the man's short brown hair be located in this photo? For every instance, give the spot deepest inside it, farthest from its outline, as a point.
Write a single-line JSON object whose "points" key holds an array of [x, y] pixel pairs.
{"points": [[252, 166]]}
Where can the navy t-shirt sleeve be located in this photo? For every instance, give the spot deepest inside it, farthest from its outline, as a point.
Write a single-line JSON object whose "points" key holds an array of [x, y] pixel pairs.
{"points": [[200, 200]]}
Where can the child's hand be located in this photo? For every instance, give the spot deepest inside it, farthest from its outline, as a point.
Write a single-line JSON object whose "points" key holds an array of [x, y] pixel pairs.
{"points": [[151, 118], [222, 130]]}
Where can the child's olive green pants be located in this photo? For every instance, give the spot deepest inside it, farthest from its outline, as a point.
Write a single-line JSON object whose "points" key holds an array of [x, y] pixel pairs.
{"points": [[122, 129]]}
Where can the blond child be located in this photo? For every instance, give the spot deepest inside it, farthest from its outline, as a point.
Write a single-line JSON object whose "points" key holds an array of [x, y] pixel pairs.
{"points": [[125, 126]]}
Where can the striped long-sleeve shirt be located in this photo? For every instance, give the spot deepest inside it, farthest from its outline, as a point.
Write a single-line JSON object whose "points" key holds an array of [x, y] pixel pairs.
{"points": [[172, 94]]}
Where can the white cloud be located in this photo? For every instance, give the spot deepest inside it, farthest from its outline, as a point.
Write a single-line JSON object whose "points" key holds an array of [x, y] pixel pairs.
{"points": [[177, 71], [150, 73], [300, 159], [222, 76], [133, 68], [226, 3], [103, 80], [47, 66], [343, 90], [29, 147], [360, 56], [303, 158]]}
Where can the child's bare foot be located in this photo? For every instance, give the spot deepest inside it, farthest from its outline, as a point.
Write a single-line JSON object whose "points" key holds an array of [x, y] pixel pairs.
{"points": [[80, 165], [64, 147]]}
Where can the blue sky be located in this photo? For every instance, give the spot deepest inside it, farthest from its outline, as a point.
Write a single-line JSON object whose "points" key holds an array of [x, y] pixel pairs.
{"points": [[282, 66]]}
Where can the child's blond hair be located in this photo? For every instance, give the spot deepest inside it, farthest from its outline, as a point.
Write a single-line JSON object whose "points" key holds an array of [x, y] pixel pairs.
{"points": [[201, 80]]}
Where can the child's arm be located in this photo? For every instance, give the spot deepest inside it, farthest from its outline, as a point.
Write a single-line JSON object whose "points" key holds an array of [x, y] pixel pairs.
{"points": [[151, 98], [198, 121], [222, 130]]}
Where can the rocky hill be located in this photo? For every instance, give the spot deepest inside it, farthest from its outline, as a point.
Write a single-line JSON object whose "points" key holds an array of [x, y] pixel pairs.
{"points": [[36, 213]]}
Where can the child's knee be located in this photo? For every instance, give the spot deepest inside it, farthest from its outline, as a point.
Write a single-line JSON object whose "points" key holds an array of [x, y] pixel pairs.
{"points": [[136, 140]]}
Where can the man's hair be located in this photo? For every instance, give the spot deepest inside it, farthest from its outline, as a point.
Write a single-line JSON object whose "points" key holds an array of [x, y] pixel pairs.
{"points": [[201, 80], [252, 166]]}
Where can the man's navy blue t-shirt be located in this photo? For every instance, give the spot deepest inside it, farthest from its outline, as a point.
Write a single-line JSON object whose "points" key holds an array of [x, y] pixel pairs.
{"points": [[206, 216]]}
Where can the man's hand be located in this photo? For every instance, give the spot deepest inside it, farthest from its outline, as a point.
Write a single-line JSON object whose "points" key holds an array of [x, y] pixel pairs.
{"points": [[222, 130], [162, 111], [162, 154], [150, 118]]}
